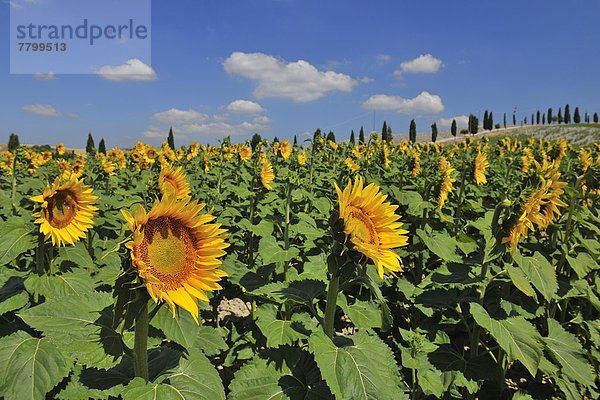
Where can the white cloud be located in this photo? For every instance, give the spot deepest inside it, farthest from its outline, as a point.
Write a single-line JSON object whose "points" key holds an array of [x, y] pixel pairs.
{"points": [[46, 110], [298, 81], [221, 117], [462, 121], [424, 103], [264, 120], [398, 74], [244, 107], [307, 134], [424, 64], [384, 57], [175, 116], [15, 5], [45, 77], [133, 69], [154, 131], [366, 79]]}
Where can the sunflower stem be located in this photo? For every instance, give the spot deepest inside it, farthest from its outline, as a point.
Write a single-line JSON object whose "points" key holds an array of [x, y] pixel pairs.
{"points": [[286, 231], [331, 305], [140, 346], [51, 260], [39, 254], [14, 184]]}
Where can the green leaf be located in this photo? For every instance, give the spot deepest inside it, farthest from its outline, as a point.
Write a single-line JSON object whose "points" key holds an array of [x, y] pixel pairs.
{"points": [[441, 244], [194, 378], [517, 337], [357, 367], [304, 291], [15, 302], [31, 367], [277, 331], [363, 314], [210, 341], [290, 373], [568, 353], [80, 325], [17, 237], [76, 255], [181, 329], [77, 282], [539, 272], [272, 252], [520, 280], [582, 264]]}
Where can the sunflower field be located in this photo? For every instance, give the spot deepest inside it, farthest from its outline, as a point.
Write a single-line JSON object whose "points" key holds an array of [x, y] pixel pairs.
{"points": [[323, 271]]}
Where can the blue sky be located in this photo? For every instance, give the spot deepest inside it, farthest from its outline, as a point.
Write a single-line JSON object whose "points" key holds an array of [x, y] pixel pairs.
{"points": [[284, 68]]}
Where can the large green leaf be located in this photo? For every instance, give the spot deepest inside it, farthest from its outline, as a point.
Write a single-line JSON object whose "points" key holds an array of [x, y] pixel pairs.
{"points": [[568, 353], [194, 378], [539, 272], [210, 341], [272, 252], [30, 366], [363, 314], [295, 377], [519, 279], [357, 367], [517, 337], [582, 264], [277, 331], [17, 237], [181, 329], [80, 325], [77, 282], [76, 256], [441, 244]]}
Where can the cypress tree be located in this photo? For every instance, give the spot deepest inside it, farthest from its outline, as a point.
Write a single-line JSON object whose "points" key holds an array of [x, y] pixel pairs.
{"points": [[361, 136], [491, 121], [485, 120], [171, 139], [90, 148], [560, 118], [532, 120], [384, 132], [102, 147], [331, 136], [275, 139], [543, 119], [514, 119], [295, 141], [567, 115], [474, 124], [412, 131], [549, 120], [576, 117], [537, 118], [13, 142], [453, 128], [390, 137], [256, 139], [505, 120], [586, 118], [316, 135], [352, 141], [595, 117], [434, 132]]}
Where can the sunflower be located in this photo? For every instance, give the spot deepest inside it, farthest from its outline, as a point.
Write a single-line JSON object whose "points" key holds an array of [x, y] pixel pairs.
{"points": [[245, 153], [285, 149], [67, 210], [372, 224], [351, 164], [540, 208], [266, 174], [175, 251], [447, 180], [481, 163], [60, 149], [302, 158], [173, 180]]}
